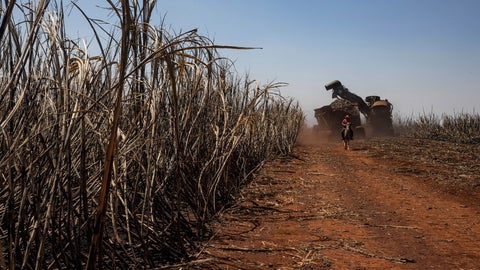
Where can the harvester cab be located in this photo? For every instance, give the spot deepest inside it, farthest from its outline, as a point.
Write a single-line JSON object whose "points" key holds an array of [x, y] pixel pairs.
{"points": [[371, 100]]}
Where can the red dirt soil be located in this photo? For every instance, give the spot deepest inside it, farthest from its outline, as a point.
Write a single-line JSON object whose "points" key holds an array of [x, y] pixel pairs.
{"points": [[393, 203]]}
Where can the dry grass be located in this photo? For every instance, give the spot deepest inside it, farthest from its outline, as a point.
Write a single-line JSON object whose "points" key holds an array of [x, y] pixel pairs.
{"points": [[459, 128], [122, 159]]}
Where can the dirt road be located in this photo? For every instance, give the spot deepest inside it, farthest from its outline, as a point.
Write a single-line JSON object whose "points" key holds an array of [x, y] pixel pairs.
{"points": [[327, 208]]}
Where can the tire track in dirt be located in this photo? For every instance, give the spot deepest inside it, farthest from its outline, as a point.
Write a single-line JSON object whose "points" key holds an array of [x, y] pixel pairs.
{"points": [[327, 208], [414, 218]]}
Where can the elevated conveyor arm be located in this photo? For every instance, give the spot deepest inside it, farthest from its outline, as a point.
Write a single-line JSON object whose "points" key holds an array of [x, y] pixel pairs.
{"points": [[340, 91]]}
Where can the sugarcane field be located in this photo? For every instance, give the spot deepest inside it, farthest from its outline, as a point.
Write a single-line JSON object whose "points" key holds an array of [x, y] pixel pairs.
{"points": [[142, 146]]}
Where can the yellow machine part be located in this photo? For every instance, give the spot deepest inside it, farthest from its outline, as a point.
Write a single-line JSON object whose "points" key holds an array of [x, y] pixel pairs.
{"points": [[382, 103]]}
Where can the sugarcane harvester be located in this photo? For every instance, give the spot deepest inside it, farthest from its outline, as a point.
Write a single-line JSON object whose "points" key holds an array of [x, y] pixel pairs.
{"points": [[377, 112]]}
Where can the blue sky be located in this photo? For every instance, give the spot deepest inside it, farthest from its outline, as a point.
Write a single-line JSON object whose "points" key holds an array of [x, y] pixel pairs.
{"points": [[423, 55]]}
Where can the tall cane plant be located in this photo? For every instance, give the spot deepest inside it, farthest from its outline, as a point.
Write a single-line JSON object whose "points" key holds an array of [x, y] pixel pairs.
{"points": [[120, 157]]}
